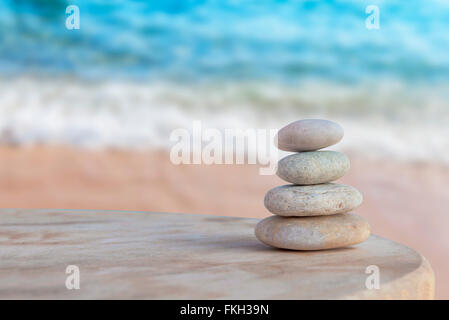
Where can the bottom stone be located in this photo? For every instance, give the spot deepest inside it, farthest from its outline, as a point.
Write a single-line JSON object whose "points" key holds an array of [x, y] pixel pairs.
{"points": [[313, 233]]}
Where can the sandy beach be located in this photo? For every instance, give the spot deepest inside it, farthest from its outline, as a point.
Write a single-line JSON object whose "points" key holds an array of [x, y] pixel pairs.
{"points": [[403, 201]]}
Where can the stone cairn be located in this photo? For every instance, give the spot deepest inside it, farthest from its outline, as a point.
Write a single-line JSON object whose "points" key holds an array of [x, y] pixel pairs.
{"points": [[312, 213]]}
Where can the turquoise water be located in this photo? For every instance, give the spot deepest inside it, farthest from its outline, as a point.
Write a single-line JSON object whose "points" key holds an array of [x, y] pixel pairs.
{"points": [[136, 70], [200, 40]]}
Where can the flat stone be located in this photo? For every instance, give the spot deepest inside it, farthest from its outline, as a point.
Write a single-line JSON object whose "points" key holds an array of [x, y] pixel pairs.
{"points": [[151, 255], [315, 200], [313, 167], [308, 135], [313, 233]]}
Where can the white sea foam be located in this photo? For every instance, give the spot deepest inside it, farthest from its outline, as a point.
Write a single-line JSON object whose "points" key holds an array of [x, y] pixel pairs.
{"points": [[379, 120]]}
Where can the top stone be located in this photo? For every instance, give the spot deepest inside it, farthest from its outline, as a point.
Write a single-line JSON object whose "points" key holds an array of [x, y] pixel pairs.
{"points": [[308, 135]]}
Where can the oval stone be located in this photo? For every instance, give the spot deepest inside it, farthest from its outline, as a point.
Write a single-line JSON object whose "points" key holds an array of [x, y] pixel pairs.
{"points": [[313, 167], [309, 135], [315, 200], [313, 233]]}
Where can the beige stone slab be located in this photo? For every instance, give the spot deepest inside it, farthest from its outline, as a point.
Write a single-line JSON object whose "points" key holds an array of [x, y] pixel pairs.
{"points": [[132, 255]]}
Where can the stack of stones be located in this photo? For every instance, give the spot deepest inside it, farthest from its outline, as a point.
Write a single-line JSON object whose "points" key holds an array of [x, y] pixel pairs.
{"points": [[312, 213]]}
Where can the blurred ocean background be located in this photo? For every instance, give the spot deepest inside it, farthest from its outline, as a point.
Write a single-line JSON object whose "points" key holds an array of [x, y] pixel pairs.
{"points": [[136, 70]]}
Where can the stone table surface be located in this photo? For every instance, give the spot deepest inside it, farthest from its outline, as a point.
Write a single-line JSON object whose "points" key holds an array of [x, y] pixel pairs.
{"points": [[147, 255]]}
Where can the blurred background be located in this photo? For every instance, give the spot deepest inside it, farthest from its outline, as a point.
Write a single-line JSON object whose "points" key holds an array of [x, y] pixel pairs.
{"points": [[86, 114]]}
